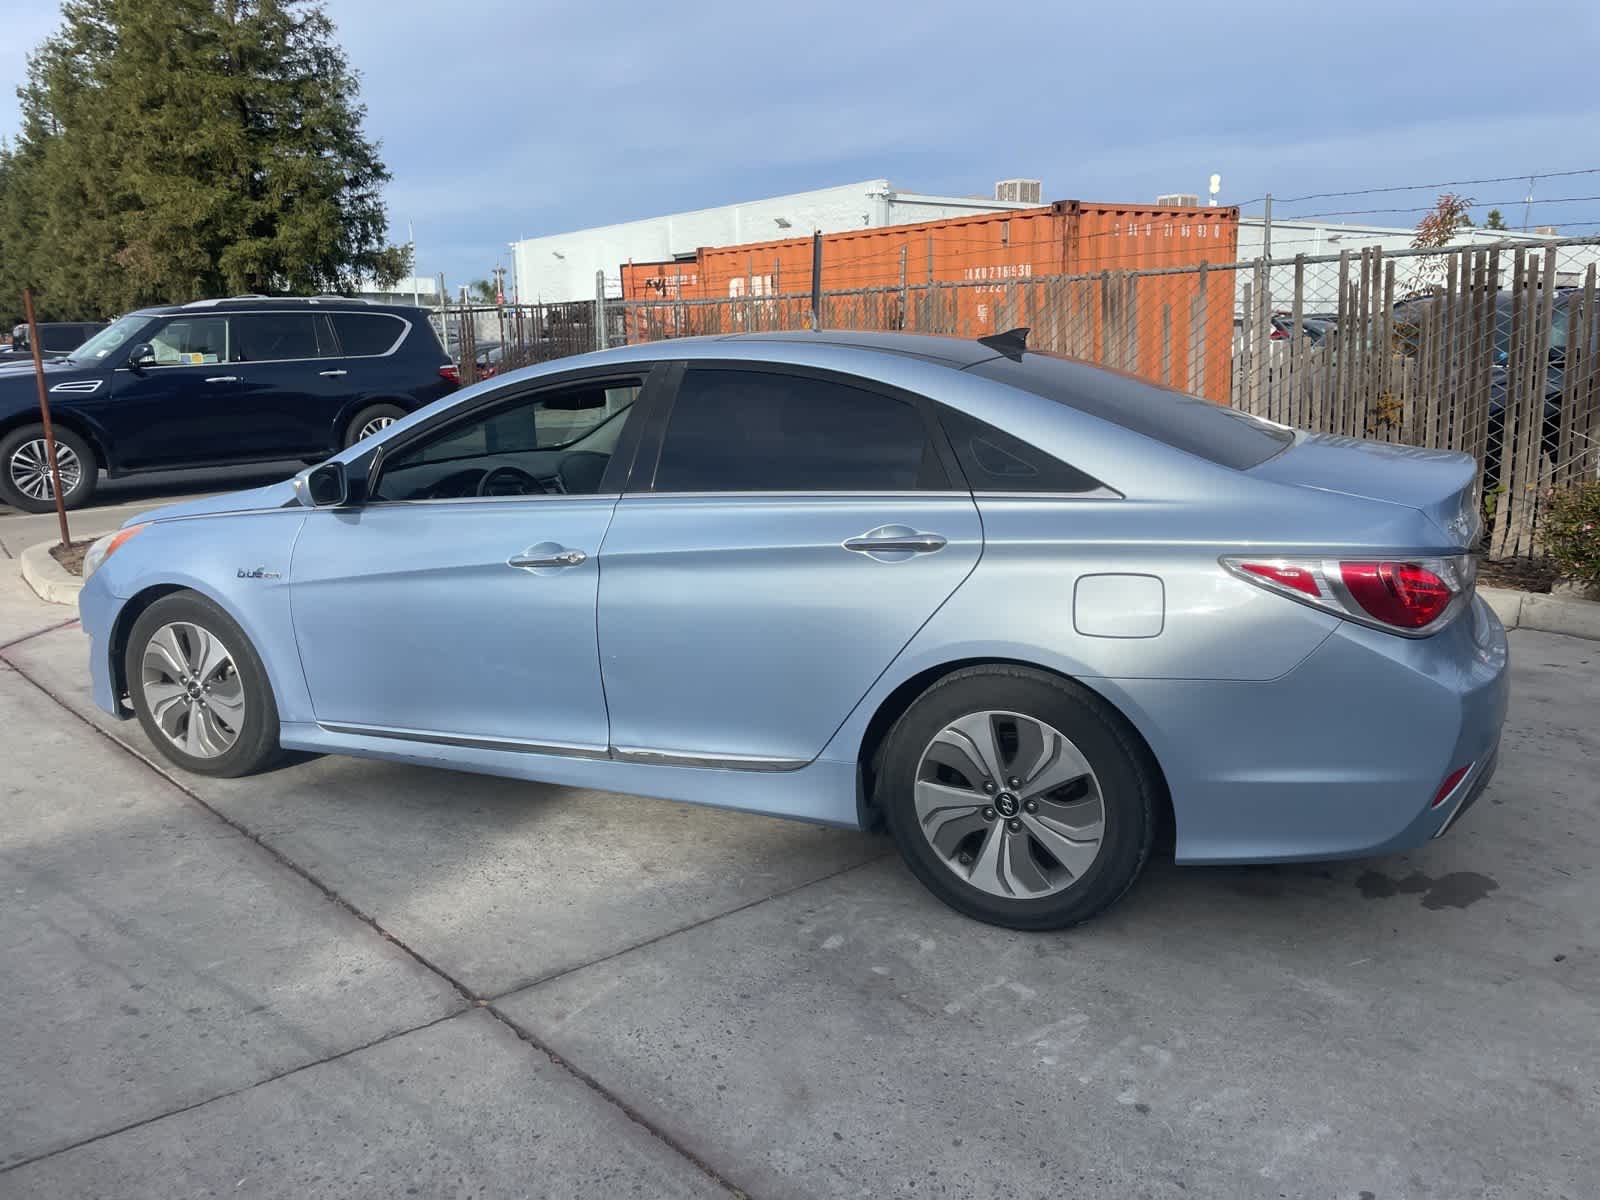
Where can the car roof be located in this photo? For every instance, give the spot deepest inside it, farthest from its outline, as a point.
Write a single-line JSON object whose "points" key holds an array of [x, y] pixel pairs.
{"points": [[279, 303]]}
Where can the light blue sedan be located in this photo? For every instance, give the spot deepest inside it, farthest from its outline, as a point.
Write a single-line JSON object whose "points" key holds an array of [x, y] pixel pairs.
{"points": [[1018, 610]]}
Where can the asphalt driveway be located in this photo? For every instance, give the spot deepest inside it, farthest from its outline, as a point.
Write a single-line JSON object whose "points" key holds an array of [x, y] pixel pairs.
{"points": [[354, 979]]}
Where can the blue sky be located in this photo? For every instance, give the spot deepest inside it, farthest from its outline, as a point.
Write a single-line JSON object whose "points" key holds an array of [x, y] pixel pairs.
{"points": [[503, 119]]}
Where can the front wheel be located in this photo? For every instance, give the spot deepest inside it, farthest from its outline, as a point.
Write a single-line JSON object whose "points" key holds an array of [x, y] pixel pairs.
{"points": [[25, 479], [1018, 798], [199, 688]]}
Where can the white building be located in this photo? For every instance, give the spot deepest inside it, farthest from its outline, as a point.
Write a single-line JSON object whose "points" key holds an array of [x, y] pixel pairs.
{"points": [[562, 266]]}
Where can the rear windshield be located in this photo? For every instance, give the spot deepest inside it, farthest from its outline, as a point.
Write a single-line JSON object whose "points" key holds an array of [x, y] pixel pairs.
{"points": [[1215, 432]]}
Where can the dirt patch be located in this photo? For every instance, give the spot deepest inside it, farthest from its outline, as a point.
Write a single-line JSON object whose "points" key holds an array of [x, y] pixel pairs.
{"points": [[1522, 574], [71, 555]]}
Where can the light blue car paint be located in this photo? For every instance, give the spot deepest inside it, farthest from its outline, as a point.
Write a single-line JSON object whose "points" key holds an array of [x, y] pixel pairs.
{"points": [[737, 628]]}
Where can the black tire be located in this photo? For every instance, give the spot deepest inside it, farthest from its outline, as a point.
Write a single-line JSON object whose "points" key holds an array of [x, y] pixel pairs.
{"points": [[373, 412], [1129, 785], [22, 447], [255, 745]]}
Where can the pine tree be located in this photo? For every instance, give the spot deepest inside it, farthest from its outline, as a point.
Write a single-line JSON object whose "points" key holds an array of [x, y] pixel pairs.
{"points": [[178, 149]]}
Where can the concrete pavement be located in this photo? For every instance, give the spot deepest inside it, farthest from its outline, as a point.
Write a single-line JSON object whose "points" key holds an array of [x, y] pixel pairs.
{"points": [[358, 979]]}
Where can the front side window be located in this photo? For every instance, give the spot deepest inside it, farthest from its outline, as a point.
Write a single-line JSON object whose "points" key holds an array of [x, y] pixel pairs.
{"points": [[274, 337], [110, 339], [556, 441], [362, 335], [760, 431], [192, 341]]}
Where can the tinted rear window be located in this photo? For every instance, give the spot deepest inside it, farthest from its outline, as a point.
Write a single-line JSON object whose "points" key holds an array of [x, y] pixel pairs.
{"points": [[362, 334], [1212, 431]]}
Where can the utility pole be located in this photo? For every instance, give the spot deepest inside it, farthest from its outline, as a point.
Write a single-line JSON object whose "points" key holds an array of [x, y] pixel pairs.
{"points": [[1266, 228], [1527, 206], [416, 291]]}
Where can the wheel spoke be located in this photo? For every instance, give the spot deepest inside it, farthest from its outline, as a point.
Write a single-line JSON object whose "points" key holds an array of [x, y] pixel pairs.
{"points": [[975, 735], [988, 869], [1059, 764], [169, 713], [1074, 854], [1025, 873], [209, 654], [165, 655], [227, 701]]}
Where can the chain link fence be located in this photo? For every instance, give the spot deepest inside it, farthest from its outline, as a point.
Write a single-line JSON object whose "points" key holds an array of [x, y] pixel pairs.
{"points": [[1494, 350]]}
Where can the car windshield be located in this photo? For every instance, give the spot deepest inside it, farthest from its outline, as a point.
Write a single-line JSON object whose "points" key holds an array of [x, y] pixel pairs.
{"points": [[108, 340]]}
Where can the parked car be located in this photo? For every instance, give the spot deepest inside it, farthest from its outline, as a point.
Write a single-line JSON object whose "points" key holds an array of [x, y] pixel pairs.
{"points": [[217, 382], [55, 338], [1316, 327], [1019, 609]]}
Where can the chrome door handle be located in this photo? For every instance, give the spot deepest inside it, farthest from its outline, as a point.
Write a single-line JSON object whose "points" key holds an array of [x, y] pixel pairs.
{"points": [[222, 379], [538, 556], [332, 374], [915, 543]]}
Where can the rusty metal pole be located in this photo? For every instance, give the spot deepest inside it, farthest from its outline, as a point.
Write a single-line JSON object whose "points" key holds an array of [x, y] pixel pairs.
{"points": [[44, 413]]}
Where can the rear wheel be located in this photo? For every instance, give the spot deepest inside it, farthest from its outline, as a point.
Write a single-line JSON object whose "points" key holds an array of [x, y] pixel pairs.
{"points": [[199, 688], [25, 479], [371, 420], [1018, 798]]}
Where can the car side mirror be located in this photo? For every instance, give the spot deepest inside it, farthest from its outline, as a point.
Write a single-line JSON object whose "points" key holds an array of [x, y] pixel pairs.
{"points": [[323, 486], [141, 356]]}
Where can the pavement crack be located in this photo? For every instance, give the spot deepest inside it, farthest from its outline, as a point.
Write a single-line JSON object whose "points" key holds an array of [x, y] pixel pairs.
{"points": [[238, 1091], [28, 637], [620, 1104], [693, 925]]}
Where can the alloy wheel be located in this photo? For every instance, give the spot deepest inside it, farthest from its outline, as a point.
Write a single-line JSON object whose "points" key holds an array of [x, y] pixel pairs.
{"points": [[368, 428], [1010, 805], [193, 689], [30, 469]]}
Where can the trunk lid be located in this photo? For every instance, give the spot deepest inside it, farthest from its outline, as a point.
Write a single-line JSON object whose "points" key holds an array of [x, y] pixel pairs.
{"points": [[1441, 484]]}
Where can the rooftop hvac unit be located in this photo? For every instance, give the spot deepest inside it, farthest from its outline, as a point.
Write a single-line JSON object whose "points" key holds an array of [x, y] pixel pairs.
{"points": [[1178, 200], [1017, 191]]}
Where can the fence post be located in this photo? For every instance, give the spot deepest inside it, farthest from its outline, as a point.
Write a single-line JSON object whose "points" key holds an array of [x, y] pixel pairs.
{"points": [[816, 280], [1197, 336], [600, 309], [905, 294]]}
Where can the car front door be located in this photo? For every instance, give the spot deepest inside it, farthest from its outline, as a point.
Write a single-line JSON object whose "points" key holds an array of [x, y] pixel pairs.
{"points": [[457, 604], [791, 535], [182, 406], [294, 386]]}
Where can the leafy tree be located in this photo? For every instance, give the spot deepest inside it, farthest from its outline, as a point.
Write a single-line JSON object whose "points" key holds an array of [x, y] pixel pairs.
{"points": [[481, 291], [178, 149], [1495, 220], [1447, 215]]}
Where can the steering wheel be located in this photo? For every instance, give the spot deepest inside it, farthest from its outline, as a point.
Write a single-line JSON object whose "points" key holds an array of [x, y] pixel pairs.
{"points": [[509, 481]]}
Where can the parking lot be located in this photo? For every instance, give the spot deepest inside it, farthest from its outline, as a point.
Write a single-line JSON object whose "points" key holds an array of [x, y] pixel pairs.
{"points": [[350, 978]]}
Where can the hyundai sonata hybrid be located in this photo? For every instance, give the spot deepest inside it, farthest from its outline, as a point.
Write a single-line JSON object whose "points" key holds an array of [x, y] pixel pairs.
{"points": [[1018, 610]]}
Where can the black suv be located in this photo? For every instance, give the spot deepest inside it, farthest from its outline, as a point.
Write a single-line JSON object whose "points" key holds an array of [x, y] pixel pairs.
{"points": [[215, 382], [55, 337]]}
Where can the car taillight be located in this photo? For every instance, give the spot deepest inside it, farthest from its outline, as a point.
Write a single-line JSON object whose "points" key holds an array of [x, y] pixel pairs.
{"points": [[1414, 597], [1406, 595], [448, 371]]}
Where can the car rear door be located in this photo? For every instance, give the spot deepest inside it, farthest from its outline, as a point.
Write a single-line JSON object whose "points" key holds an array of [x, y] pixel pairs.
{"points": [[785, 534], [295, 387]]}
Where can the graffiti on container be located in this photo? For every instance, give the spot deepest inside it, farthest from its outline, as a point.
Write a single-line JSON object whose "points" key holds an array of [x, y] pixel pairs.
{"points": [[760, 285], [670, 285]]}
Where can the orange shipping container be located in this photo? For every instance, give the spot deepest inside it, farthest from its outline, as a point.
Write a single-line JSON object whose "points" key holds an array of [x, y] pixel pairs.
{"points": [[1004, 258]]}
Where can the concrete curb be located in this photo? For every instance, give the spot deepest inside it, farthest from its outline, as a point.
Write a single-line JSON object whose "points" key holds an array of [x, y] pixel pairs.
{"points": [[48, 578], [1546, 613]]}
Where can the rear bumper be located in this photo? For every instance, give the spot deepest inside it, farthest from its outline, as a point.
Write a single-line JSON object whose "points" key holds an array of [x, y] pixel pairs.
{"points": [[1343, 757]]}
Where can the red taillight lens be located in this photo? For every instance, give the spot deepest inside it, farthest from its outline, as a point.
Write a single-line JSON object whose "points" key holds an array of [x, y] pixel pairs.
{"points": [[448, 371], [1298, 578], [1405, 595], [1449, 785]]}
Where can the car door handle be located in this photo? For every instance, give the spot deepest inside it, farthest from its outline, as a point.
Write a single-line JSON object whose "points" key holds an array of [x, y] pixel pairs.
{"points": [[543, 556], [332, 374], [895, 538], [222, 379]]}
